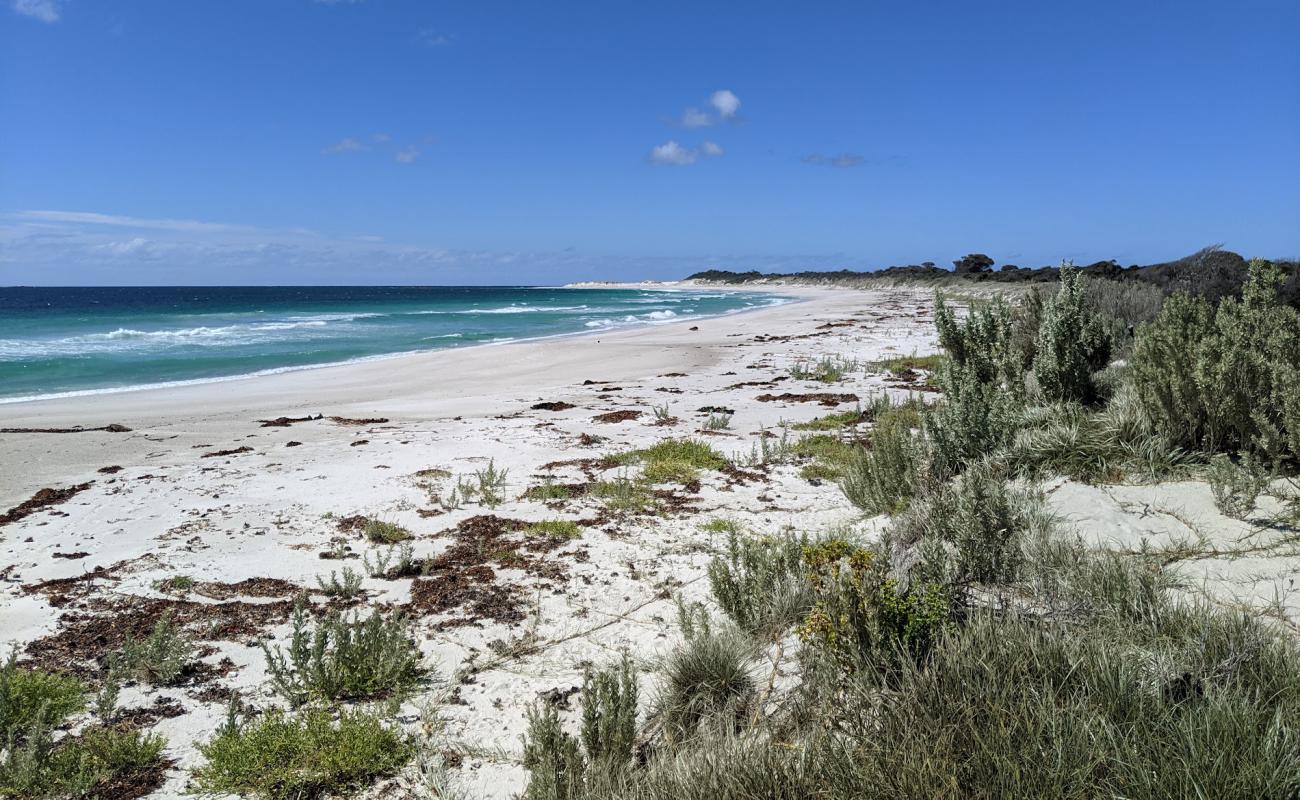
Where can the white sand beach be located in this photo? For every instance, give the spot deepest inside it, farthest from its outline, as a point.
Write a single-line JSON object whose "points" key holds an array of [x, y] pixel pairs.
{"points": [[198, 487]]}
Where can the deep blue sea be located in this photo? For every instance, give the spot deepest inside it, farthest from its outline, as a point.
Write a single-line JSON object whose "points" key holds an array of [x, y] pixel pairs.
{"points": [[56, 341]]}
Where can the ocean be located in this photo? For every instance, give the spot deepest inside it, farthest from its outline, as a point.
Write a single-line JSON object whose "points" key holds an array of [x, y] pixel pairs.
{"points": [[69, 341]]}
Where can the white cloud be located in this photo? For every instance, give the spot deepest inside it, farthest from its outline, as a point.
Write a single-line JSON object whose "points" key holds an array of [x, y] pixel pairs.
{"points": [[407, 155], [430, 37], [695, 118], [380, 138], [726, 102], [346, 145], [839, 160], [91, 218], [671, 152], [44, 10]]}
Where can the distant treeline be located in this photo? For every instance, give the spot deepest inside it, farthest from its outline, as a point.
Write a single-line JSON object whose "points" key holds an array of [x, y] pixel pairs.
{"points": [[1212, 273]]}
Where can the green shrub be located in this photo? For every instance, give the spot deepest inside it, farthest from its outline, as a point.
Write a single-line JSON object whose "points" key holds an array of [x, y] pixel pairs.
{"points": [[1224, 379], [76, 766], [625, 494], [280, 757], [31, 697], [1236, 486], [982, 344], [556, 529], [901, 365], [973, 420], [980, 520], [561, 768], [691, 452], [862, 618], [1122, 306], [759, 583], [1072, 345], [829, 453], [345, 659], [347, 587], [546, 491], [383, 532], [161, 657], [884, 478], [827, 369]]}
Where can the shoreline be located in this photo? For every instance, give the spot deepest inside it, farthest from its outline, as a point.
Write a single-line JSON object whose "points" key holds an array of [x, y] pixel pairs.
{"points": [[272, 371]]}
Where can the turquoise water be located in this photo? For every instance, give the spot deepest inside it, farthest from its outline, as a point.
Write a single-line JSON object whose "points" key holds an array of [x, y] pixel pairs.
{"points": [[59, 341]]}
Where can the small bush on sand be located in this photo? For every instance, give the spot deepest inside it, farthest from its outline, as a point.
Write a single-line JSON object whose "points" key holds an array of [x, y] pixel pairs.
{"points": [[556, 529], [625, 494], [32, 697], [863, 619], [981, 523], [759, 583], [547, 491], [884, 478], [347, 587], [974, 419], [280, 757], [691, 452], [161, 657], [82, 766], [1072, 345], [1236, 485], [1225, 379], [563, 766], [345, 659], [383, 532]]}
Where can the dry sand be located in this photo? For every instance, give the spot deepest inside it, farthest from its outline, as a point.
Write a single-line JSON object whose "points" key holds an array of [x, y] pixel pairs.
{"points": [[530, 615]]}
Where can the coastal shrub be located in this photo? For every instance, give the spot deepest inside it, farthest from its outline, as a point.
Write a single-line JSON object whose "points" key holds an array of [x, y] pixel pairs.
{"points": [[563, 766], [547, 491], [33, 697], [1072, 345], [161, 657], [344, 658], [281, 757], [759, 583], [489, 485], [862, 618], [717, 421], [829, 454], [980, 520], [87, 765], [347, 587], [381, 531], [981, 344], [707, 680], [556, 529], [1026, 319], [697, 454], [1121, 307], [624, 494], [1224, 379], [1236, 485], [395, 562], [883, 478], [974, 419]]}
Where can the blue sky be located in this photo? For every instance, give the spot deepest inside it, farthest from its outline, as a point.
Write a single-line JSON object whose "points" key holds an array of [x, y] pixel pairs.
{"points": [[382, 141]]}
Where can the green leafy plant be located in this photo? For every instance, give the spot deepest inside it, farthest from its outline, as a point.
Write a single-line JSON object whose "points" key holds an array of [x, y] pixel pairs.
{"points": [[1072, 344], [345, 658], [347, 587], [32, 697], [381, 531], [281, 757], [759, 583], [161, 657], [884, 478]]}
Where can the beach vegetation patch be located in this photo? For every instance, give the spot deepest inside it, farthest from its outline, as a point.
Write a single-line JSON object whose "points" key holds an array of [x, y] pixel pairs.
{"points": [[33, 697], [283, 757], [556, 529], [347, 587], [345, 658], [162, 657], [381, 531], [827, 369], [759, 583]]}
